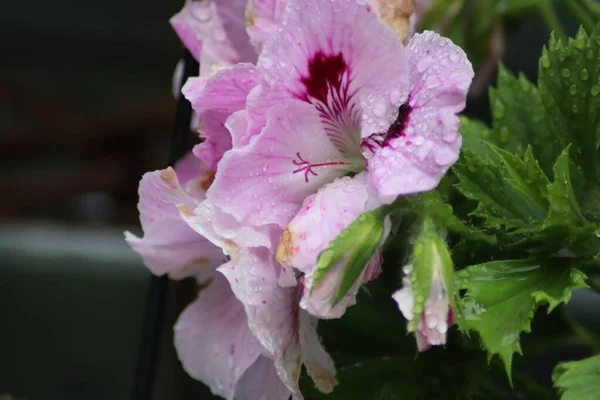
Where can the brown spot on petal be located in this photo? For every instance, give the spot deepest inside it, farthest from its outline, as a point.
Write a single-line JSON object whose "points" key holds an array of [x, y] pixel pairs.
{"points": [[285, 251], [201, 261], [396, 14], [250, 15], [324, 379], [185, 210], [207, 179], [169, 177]]}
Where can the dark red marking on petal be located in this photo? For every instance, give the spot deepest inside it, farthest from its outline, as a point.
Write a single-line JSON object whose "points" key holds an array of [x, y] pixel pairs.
{"points": [[325, 72], [382, 139], [307, 167]]}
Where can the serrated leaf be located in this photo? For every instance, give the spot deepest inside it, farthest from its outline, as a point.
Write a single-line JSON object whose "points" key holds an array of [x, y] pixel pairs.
{"points": [[520, 120], [526, 176], [502, 297], [482, 179], [578, 380], [354, 246], [569, 87]]}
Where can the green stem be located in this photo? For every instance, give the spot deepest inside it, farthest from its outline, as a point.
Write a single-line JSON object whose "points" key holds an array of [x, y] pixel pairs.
{"points": [[592, 7], [585, 337], [579, 13], [550, 19]]}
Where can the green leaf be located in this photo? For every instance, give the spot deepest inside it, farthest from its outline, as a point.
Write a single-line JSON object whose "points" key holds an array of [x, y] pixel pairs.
{"points": [[353, 247], [526, 176], [520, 120], [569, 87], [502, 297], [564, 208], [578, 380]]}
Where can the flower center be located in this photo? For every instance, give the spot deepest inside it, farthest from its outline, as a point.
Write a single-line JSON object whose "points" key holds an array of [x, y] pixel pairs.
{"points": [[327, 87]]}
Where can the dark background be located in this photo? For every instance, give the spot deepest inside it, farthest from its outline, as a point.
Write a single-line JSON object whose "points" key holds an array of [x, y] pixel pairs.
{"points": [[86, 108]]}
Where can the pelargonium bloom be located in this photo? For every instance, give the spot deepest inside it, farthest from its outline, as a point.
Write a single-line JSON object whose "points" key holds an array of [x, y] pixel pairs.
{"points": [[334, 100], [212, 336]]}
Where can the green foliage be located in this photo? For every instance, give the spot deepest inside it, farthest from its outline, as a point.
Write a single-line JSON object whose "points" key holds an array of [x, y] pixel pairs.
{"points": [[578, 380], [502, 296]]}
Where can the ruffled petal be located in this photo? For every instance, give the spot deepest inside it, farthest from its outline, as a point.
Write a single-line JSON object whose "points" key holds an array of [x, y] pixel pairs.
{"points": [[169, 245], [213, 341], [273, 314], [266, 181], [428, 142], [214, 32], [322, 218], [214, 99], [356, 78], [263, 18]]}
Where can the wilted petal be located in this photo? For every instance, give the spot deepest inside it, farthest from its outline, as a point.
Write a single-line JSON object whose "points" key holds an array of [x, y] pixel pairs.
{"points": [[169, 245], [321, 219], [214, 99], [266, 181], [317, 361], [214, 32], [273, 314], [213, 341], [355, 78], [424, 141]]}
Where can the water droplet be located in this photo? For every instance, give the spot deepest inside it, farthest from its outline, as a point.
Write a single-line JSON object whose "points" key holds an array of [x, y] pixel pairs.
{"points": [[595, 90], [379, 109], [266, 62], [584, 74], [453, 57], [573, 90], [566, 72], [202, 12], [575, 109]]}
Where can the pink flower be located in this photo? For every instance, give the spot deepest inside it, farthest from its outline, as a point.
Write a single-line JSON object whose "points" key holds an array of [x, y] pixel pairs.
{"points": [[212, 336], [334, 100]]}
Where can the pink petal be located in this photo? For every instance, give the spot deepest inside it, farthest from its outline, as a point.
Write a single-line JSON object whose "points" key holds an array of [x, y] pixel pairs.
{"points": [[419, 156], [260, 381], [356, 78], [213, 341], [266, 181], [264, 17], [322, 218], [223, 230], [214, 32], [273, 316], [215, 98], [169, 245]]}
